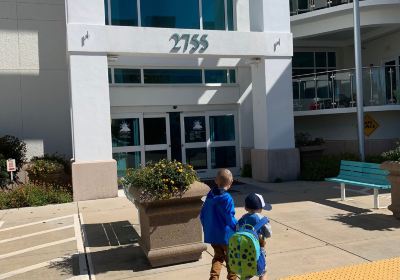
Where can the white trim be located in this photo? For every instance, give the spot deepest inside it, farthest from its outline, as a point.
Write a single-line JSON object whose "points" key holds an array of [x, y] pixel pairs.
{"points": [[139, 13], [19, 252], [200, 13], [109, 12], [36, 223], [226, 15], [33, 267], [380, 108], [34, 234]]}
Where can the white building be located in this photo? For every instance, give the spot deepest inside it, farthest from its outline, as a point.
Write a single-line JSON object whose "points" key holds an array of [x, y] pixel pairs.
{"points": [[116, 83], [207, 82]]}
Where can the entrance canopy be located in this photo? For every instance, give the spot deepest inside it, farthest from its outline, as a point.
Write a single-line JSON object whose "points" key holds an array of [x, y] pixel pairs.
{"points": [[177, 42]]}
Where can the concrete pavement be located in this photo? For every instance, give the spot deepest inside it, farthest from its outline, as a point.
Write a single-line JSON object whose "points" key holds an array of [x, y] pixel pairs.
{"points": [[312, 231]]}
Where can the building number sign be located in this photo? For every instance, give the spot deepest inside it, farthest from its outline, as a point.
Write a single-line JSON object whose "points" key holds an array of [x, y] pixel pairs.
{"points": [[189, 43]]}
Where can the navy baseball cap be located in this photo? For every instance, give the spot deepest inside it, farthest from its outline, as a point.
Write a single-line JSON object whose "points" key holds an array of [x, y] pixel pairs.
{"points": [[255, 201]]}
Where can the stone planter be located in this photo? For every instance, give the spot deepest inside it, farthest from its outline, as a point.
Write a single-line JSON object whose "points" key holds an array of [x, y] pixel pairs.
{"points": [[311, 152], [394, 177], [171, 231]]}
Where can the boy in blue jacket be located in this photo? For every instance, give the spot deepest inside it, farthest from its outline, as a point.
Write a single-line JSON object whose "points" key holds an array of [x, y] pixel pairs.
{"points": [[218, 219]]}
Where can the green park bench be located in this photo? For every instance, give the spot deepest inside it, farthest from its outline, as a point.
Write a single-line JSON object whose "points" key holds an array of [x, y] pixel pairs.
{"points": [[362, 174]]}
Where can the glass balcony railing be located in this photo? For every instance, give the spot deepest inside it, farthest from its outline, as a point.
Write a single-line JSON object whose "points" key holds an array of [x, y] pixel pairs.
{"points": [[304, 6], [337, 89]]}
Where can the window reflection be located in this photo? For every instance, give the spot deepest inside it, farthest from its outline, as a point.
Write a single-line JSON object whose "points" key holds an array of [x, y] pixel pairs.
{"points": [[170, 14], [213, 14], [124, 12], [125, 132]]}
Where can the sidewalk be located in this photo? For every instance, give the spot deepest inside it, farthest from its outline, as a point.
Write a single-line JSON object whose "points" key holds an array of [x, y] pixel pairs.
{"points": [[312, 231]]}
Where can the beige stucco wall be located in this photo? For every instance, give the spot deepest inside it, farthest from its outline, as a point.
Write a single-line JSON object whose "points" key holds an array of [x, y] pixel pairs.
{"points": [[33, 75]]}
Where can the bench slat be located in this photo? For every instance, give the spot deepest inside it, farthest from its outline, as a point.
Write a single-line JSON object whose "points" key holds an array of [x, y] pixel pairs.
{"points": [[358, 175], [363, 180], [361, 164], [364, 170], [359, 184]]}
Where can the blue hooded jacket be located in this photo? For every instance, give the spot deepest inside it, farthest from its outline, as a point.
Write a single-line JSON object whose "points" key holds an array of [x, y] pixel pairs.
{"points": [[218, 217]]}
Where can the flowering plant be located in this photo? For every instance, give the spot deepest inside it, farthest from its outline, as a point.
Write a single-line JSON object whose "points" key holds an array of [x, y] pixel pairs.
{"points": [[393, 155], [162, 180]]}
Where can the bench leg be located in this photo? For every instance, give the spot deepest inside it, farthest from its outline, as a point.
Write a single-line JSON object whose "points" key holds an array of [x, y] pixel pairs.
{"points": [[376, 198], [343, 191]]}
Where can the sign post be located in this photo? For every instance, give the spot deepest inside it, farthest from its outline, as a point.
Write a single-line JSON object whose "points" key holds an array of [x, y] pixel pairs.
{"points": [[11, 167]]}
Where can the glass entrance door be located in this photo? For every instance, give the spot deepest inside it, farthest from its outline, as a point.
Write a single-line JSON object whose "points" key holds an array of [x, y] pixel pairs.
{"points": [[138, 139], [210, 142], [156, 138]]}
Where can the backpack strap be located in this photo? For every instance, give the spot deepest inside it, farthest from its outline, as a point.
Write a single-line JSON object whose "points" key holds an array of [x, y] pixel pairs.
{"points": [[261, 223]]}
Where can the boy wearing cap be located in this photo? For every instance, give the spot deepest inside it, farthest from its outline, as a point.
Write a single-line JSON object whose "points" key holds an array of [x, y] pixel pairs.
{"points": [[254, 204], [218, 219]]}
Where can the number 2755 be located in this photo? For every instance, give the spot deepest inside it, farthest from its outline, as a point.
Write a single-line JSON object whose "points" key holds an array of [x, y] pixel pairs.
{"points": [[184, 40]]}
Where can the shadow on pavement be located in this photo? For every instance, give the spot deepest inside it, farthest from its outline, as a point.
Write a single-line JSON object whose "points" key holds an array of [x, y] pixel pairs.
{"points": [[369, 221]]}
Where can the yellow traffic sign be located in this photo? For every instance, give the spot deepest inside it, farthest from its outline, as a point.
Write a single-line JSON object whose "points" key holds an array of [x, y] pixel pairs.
{"points": [[370, 125]]}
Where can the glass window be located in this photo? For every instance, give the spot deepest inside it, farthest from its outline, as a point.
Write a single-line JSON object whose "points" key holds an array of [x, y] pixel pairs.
{"points": [[125, 132], [109, 76], [320, 59], [126, 161], [222, 128], [127, 76], [232, 76], [124, 12], [332, 59], [303, 59], [195, 129], [216, 76], [230, 14], [223, 157], [172, 76], [155, 156], [170, 14], [155, 132], [213, 14], [197, 157], [106, 11]]}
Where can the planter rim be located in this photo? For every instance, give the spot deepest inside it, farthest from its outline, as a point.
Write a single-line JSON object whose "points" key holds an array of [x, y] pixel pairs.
{"points": [[195, 191]]}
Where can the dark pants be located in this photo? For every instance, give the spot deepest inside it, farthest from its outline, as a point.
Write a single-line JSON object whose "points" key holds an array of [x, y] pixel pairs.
{"points": [[220, 256]]}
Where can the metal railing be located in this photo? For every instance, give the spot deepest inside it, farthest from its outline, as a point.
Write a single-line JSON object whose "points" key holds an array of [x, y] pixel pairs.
{"points": [[337, 89], [304, 6]]}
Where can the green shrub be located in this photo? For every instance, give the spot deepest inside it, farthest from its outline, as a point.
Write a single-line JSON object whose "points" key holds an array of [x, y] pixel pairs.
{"points": [[325, 167], [47, 172], [246, 171], [304, 139], [375, 159], [162, 180], [392, 155], [4, 175], [12, 147], [56, 158], [34, 195]]}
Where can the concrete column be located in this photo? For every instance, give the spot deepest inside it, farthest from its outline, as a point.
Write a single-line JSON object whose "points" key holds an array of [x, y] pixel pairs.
{"points": [[274, 155], [94, 172]]}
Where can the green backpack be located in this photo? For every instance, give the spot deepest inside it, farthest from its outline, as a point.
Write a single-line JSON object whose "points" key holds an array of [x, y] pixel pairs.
{"points": [[244, 253]]}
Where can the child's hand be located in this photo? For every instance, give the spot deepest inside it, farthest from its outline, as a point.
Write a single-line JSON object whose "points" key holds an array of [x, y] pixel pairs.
{"points": [[261, 240]]}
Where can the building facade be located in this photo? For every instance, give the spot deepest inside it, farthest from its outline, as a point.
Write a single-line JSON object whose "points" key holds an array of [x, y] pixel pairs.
{"points": [[324, 76], [114, 84]]}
